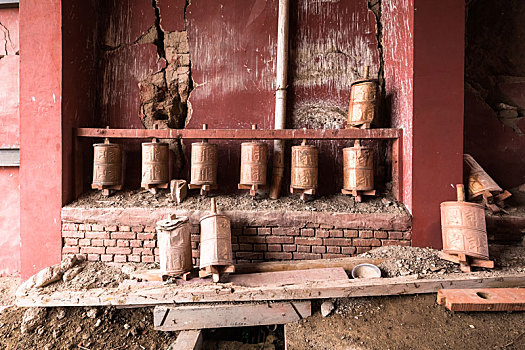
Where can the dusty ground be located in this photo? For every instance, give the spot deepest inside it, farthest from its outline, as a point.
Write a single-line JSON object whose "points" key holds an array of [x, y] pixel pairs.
{"points": [[405, 322], [84, 328], [239, 201], [8, 287]]}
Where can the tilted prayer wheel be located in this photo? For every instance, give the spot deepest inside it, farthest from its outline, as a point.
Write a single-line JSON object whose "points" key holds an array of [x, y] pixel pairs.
{"points": [[304, 174], [478, 180], [155, 163], [107, 165], [204, 162], [358, 171], [253, 163], [216, 245], [364, 98], [463, 227], [174, 239]]}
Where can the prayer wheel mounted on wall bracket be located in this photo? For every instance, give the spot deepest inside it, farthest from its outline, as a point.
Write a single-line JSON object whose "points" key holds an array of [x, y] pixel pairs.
{"points": [[107, 167], [216, 256], [304, 173], [204, 162], [364, 102], [155, 165], [463, 227], [253, 166], [358, 171], [174, 239]]}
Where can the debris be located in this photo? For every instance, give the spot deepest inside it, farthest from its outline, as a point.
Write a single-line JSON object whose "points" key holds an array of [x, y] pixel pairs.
{"points": [[326, 308], [33, 317], [92, 312], [178, 190], [70, 274]]}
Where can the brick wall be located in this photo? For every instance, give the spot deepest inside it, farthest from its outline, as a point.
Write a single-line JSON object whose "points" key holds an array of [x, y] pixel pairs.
{"points": [[122, 243]]}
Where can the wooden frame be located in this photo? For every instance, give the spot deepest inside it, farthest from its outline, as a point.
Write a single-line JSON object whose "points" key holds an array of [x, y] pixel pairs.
{"points": [[394, 135]]}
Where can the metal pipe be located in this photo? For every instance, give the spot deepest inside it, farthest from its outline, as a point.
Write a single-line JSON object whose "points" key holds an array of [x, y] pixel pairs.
{"points": [[280, 96]]}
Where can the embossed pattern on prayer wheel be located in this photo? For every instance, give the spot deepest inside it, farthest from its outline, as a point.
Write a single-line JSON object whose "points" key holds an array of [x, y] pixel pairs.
{"points": [[204, 162], [174, 239], [358, 171], [215, 247], [363, 103], [253, 163], [155, 163], [107, 164], [304, 173]]}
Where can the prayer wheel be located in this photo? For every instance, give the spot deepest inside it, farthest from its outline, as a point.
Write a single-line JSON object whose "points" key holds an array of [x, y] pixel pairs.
{"points": [[174, 239], [107, 165], [253, 163], [463, 227], [204, 162], [304, 173], [216, 246], [478, 180], [364, 97], [358, 172], [155, 163]]}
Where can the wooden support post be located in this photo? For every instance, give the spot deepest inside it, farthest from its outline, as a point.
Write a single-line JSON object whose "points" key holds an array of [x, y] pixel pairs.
{"points": [[188, 340]]}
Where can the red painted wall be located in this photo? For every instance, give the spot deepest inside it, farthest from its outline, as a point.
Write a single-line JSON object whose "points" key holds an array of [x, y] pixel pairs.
{"points": [[9, 138], [439, 51], [40, 134]]}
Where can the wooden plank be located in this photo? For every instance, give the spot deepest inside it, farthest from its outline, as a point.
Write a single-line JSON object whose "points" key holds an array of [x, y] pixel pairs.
{"points": [[190, 292], [486, 299], [397, 168], [176, 318], [284, 278], [488, 264], [242, 134], [270, 266], [10, 157], [187, 340]]}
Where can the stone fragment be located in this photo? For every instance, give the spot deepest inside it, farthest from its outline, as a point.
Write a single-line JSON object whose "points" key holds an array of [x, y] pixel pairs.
{"points": [[326, 308], [33, 318]]}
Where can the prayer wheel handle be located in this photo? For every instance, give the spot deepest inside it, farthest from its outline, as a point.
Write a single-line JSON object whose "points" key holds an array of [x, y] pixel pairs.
{"points": [[213, 205], [460, 188]]}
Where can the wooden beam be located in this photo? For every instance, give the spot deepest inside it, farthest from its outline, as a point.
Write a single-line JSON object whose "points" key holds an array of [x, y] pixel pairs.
{"points": [[270, 266], [487, 299], [242, 134], [187, 340], [176, 318], [200, 291], [285, 278]]}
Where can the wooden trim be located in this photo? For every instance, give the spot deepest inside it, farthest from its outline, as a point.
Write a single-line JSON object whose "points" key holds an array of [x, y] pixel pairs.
{"points": [[203, 291], [243, 134], [9, 157]]}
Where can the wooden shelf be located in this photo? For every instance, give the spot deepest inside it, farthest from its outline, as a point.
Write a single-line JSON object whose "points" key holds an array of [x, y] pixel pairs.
{"points": [[243, 134]]}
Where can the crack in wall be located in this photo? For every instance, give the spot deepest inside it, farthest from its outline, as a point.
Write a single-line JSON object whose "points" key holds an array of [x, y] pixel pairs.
{"points": [[164, 94], [7, 40]]}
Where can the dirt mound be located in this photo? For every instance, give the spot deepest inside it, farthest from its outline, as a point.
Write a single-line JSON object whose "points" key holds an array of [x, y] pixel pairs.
{"points": [[84, 328], [239, 201]]}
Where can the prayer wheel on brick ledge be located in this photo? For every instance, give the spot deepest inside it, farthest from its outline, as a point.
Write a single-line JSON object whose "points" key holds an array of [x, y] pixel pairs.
{"points": [[253, 166], [463, 227], [216, 255], [107, 166], [304, 173], [364, 97], [174, 239], [358, 171], [155, 165]]}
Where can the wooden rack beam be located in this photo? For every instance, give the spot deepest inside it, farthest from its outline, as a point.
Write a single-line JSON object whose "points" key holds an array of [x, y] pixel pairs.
{"points": [[243, 134]]}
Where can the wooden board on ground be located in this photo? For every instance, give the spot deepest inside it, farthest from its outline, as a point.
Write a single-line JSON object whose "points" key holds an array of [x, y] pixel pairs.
{"points": [[269, 266], [284, 278], [187, 340], [176, 318], [207, 291], [487, 299]]}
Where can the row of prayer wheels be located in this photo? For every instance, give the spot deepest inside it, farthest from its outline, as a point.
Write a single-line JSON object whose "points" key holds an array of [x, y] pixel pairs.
{"points": [[358, 167]]}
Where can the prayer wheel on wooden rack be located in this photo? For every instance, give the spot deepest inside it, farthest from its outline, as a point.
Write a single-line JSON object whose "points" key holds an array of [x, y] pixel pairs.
{"points": [[253, 166], [463, 227], [304, 174], [364, 98], [155, 165], [358, 172], [107, 166], [174, 239], [216, 255], [204, 162]]}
